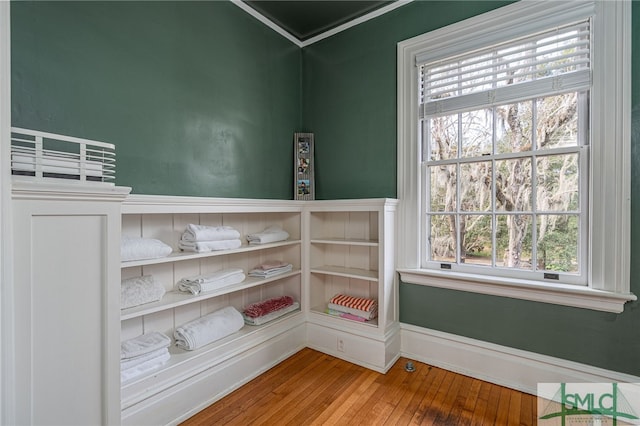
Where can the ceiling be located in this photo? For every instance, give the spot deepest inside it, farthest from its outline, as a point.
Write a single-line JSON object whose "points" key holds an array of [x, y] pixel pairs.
{"points": [[308, 18]]}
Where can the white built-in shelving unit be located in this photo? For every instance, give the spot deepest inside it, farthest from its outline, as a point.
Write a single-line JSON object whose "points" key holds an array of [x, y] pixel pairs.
{"points": [[156, 397], [350, 251], [343, 246]]}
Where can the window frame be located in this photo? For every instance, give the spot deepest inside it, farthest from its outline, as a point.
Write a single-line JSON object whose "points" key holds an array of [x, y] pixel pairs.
{"points": [[608, 268]]}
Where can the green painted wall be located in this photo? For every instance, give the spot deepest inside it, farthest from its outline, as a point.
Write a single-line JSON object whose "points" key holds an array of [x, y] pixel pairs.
{"points": [[199, 97], [349, 88]]}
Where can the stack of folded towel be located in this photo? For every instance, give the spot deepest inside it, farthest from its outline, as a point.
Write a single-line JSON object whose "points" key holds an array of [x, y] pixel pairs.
{"points": [[209, 328], [137, 248], [201, 238], [262, 312], [270, 235], [140, 290], [212, 281], [355, 308], [270, 268], [143, 354]]}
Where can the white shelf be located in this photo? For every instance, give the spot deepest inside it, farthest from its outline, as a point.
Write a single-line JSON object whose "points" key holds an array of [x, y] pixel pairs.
{"points": [[345, 241], [320, 310], [362, 274], [180, 255], [175, 298]]}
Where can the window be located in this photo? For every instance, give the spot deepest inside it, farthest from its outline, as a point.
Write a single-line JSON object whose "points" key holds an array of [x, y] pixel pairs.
{"points": [[513, 150], [504, 172]]}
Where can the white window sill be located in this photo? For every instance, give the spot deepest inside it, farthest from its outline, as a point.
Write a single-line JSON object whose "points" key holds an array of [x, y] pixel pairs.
{"points": [[559, 294]]}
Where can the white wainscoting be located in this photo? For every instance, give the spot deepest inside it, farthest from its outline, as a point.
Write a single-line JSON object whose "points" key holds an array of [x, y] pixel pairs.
{"points": [[505, 366]]}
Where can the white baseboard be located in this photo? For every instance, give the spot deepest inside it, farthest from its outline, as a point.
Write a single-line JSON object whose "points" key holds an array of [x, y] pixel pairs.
{"points": [[513, 368]]}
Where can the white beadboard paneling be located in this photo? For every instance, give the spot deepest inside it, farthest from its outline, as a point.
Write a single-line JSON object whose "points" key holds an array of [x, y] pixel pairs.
{"points": [[160, 227], [132, 225], [131, 328], [159, 321], [162, 273]]}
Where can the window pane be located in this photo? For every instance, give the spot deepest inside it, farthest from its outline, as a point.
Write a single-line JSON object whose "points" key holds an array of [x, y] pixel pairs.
{"points": [[514, 127], [557, 183], [513, 185], [475, 186], [443, 188], [476, 245], [443, 239], [557, 121], [477, 133], [444, 137], [557, 247], [513, 241]]}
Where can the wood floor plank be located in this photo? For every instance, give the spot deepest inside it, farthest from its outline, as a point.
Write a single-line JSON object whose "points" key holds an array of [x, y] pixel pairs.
{"points": [[515, 405], [434, 394], [503, 407], [480, 409], [462, 408], [527, 410], [410, 399], [311, 388], [339, 408], [382, 402]]}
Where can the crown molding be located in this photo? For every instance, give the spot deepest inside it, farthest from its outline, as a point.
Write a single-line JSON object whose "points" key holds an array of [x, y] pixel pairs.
{"points": [[303, 43]]}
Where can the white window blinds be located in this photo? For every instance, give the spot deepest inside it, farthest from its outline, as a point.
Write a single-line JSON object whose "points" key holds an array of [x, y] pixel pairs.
{"points": [[541, 64]]}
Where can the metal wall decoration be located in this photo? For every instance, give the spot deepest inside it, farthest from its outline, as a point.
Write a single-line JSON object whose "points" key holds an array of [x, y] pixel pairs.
{"points": [[304, 185]]}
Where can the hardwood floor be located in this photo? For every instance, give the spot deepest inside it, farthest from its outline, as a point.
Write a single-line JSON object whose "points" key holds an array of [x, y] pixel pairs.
{"points": [[311, 388]]}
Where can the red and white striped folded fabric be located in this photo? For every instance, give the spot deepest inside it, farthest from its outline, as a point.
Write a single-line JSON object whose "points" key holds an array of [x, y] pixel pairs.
{"points": [[359, 303], [265, 307]]}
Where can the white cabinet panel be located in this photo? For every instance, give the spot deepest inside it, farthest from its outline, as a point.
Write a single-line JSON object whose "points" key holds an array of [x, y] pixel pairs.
{"points": [[66, 298]]}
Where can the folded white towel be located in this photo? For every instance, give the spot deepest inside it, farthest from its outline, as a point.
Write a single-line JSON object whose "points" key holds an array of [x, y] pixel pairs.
{"points": [[206, 246], [209, 328], [269, 235], [136, 248], [368, 315], [140, 290], [141, 359], [271, 264], [213, 276], [271, 315], [143, 344], [266, 273], [209, 233], [145, 367], [204, 283]]}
